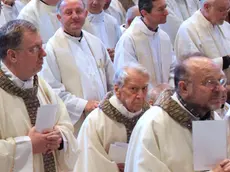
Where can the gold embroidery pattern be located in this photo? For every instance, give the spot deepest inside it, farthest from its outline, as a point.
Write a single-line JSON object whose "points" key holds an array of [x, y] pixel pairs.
{"points": [[31, 101], [115, 115]]}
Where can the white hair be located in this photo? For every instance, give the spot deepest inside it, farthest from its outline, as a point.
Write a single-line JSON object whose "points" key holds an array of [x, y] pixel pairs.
{"points": [[121, 74]]}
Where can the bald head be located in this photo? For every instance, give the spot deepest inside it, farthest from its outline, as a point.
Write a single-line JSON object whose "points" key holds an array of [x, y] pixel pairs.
{"points": [[62, 3], [195, 67], [132, 12]]}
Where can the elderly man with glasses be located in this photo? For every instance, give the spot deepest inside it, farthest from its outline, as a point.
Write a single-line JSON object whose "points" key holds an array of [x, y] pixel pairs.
{"points": [[206, 31], [22, 92], [162, 138]]}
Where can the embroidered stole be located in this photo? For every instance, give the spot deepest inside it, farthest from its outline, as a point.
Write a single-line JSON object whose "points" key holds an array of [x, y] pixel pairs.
{"points": [[31, 101], [175, 111], [115, 115]]}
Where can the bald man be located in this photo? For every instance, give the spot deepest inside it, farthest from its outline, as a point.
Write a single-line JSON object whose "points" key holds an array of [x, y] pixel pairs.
{"points": [[161, 141], [132, 12], [207, 32]]}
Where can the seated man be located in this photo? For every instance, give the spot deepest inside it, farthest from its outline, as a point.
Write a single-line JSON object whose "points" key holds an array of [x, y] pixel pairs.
{"points": [[113, 121], [162, 138], [78, 66], [22, 92]]}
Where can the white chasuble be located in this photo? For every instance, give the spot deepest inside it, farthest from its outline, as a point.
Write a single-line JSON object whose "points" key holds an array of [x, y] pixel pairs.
{"points": [[16, 147], [77, 71], [179, 11], [197, 34], [42, 16], [103, 26], [153, 50]]}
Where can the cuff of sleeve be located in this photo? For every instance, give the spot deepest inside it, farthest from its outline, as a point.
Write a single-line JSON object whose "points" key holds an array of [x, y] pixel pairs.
{"points": [[75, 116], [226, 62], [24, 154], [64, 143]]}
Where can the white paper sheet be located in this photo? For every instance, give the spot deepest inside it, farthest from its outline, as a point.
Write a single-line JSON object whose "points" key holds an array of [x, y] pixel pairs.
{"points": [[209, 143], [46, 116], [117, 152]]}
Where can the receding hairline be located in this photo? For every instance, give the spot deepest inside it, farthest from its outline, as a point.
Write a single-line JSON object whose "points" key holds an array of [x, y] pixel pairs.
{"points": [[62, 2]]}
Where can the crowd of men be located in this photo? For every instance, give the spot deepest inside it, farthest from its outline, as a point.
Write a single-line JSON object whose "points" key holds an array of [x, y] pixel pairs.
{"points": [[118, 71]]}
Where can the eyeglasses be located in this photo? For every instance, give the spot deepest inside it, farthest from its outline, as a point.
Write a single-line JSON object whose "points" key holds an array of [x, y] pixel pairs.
{"points": [[33, 50], [212, 83]]}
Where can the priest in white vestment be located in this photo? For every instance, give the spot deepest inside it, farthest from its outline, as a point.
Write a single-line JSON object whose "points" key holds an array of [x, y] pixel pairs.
{"points": [[42, 13], [115, 9], [208, 33], [102, 25], [113, 121], [78, 66], [22, 92], [145, 43], [10, 10], [179, 11], [162, 138]]}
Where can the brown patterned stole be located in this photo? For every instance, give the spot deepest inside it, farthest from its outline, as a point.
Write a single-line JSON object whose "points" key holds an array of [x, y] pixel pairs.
{"points": [[127, 4], [115, 115], [175, 111], [31, 101]]}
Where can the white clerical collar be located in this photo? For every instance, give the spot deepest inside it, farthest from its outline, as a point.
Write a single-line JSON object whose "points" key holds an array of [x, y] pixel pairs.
{"points": [[74, 38], [138, 23], [96, 18], [115, 102], [47, 8], [21, 84]]}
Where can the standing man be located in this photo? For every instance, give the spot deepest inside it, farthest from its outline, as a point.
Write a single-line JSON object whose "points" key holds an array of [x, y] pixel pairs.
{"points": [[162, 138], [102, 25], [208, 33], [22, 92], [179, 11], [78, 66], [113, 121], [145, 43], [42, 13], [115, 9]]}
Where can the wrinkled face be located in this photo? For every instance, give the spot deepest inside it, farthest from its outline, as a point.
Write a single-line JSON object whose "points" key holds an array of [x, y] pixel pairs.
{"points": [[29, 56], [95, 6], [133, 93], [72, 15], [158, 13], [218, 11], [206, 89]]}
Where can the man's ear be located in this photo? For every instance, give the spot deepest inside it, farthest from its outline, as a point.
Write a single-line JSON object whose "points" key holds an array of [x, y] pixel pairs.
{"points": [[143, 13], [11, 55], [59, 17], [183, 88]]}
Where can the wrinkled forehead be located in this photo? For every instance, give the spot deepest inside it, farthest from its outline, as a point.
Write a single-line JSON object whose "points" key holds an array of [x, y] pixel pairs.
{"points": [[221, 3]]}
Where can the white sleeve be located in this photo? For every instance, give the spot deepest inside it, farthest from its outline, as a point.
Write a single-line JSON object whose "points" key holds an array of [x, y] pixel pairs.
{"points": [[124, 52], [51, 74], [23, 160]]}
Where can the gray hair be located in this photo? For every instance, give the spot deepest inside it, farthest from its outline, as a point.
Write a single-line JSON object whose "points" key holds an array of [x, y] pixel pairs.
{"points": [[11, 35], [121, 74], [59, 4]]}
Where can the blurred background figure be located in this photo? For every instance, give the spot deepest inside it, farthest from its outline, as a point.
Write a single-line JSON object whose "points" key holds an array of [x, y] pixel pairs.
{"points": [[115, 9], [154, 93], [132, 12]]}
